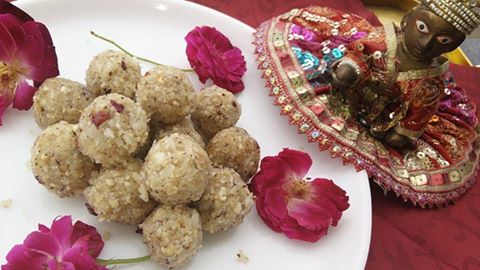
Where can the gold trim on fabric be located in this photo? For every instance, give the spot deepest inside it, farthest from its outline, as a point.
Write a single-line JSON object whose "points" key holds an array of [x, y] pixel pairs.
{"points": [[424, 73], [391, 41], [451, 186]]}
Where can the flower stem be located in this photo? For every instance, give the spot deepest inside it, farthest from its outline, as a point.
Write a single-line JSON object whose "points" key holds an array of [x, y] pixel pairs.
{"points": [[123, 261], [130, 54]]}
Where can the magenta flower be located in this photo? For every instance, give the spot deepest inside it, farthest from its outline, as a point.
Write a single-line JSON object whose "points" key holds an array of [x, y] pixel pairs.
{"points": [[212, 56], [61, 247], [300, 209], [26, 53]]}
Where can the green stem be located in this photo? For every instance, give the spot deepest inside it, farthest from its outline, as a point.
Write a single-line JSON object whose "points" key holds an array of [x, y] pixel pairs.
{"points": [[130, 54], [123, 261]]}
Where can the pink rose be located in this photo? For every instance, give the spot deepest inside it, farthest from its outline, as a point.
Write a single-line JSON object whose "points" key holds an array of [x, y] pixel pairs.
{"points": [[60, 247], [212, 56], [287, 203]]}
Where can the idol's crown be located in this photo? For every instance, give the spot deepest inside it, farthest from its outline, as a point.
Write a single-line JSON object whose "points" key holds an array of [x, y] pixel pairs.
{"points": [[460, 13]]}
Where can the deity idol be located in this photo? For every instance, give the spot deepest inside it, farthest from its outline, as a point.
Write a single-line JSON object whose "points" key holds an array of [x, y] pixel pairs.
{"points": [[380, 97]]}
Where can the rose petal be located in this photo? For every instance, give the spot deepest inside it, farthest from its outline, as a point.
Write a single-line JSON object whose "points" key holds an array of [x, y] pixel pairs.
{"points": [[273, 171], [234, 87], [8, 46], [24, 93], [275, 205], [118, 107], [329, 206], [19, 257], [79, 256], [16, 31], [42, 228], [312, 217], [261, 212], [327, 188], [53, 265], [298, 161], [99, 118], [32, 54], [237, 64], [7, 8], [94, 239], [38, 54], [43, 242], [67, 266], [62, 230], [292, 230]]}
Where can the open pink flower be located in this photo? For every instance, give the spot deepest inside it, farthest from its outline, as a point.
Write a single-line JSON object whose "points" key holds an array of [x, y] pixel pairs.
{"points": [[212, 55], [26, 53], [61, 247], [287, 203]]}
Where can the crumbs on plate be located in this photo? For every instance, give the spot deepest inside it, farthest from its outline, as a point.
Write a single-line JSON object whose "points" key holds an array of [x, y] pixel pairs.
{"points": [[106, 235], [242, 257], [5, 203]]}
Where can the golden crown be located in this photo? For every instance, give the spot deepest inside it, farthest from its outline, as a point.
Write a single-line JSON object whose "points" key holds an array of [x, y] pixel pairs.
{"points": [[459, 13]]}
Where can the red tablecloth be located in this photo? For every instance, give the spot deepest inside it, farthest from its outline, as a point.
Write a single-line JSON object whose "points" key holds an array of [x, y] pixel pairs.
{"points": [[403, 237]]}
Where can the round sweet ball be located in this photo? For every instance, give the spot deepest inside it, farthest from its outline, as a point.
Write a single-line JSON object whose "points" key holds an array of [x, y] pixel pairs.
{"points": [[111, 129], [166, 94], [119, 195], [177, 170], [226, 201], [215, 109], [184, 127], [59, 99], [113, 72], [173, 235], [56, 162], [235, 148]]}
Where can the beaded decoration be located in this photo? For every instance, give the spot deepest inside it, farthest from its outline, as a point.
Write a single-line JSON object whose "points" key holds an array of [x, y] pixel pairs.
{"points": [[460, 14]]}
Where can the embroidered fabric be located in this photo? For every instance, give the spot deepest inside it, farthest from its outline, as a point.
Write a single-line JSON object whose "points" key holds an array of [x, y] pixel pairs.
{"points": [[297, 53]]}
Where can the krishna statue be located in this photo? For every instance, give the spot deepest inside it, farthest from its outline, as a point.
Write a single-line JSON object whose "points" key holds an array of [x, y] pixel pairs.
{"points": [[381, 98]]}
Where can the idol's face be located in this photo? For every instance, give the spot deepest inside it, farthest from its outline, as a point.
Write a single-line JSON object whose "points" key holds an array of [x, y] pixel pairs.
{"points": [[428, 36]]}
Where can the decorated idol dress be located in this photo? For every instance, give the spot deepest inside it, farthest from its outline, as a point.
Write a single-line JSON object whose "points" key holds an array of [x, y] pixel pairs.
{"points": [[297, 53]]}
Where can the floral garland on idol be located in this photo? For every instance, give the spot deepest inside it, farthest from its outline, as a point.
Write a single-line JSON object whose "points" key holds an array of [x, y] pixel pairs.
{"points": [[301, 209]]}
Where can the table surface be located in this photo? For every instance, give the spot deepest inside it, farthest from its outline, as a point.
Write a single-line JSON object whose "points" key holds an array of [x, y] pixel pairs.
{"points": [[403, 237], [471, 47]]}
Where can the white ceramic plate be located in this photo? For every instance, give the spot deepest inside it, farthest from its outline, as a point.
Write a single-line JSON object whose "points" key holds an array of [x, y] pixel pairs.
{"points": [[156, 29]]}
